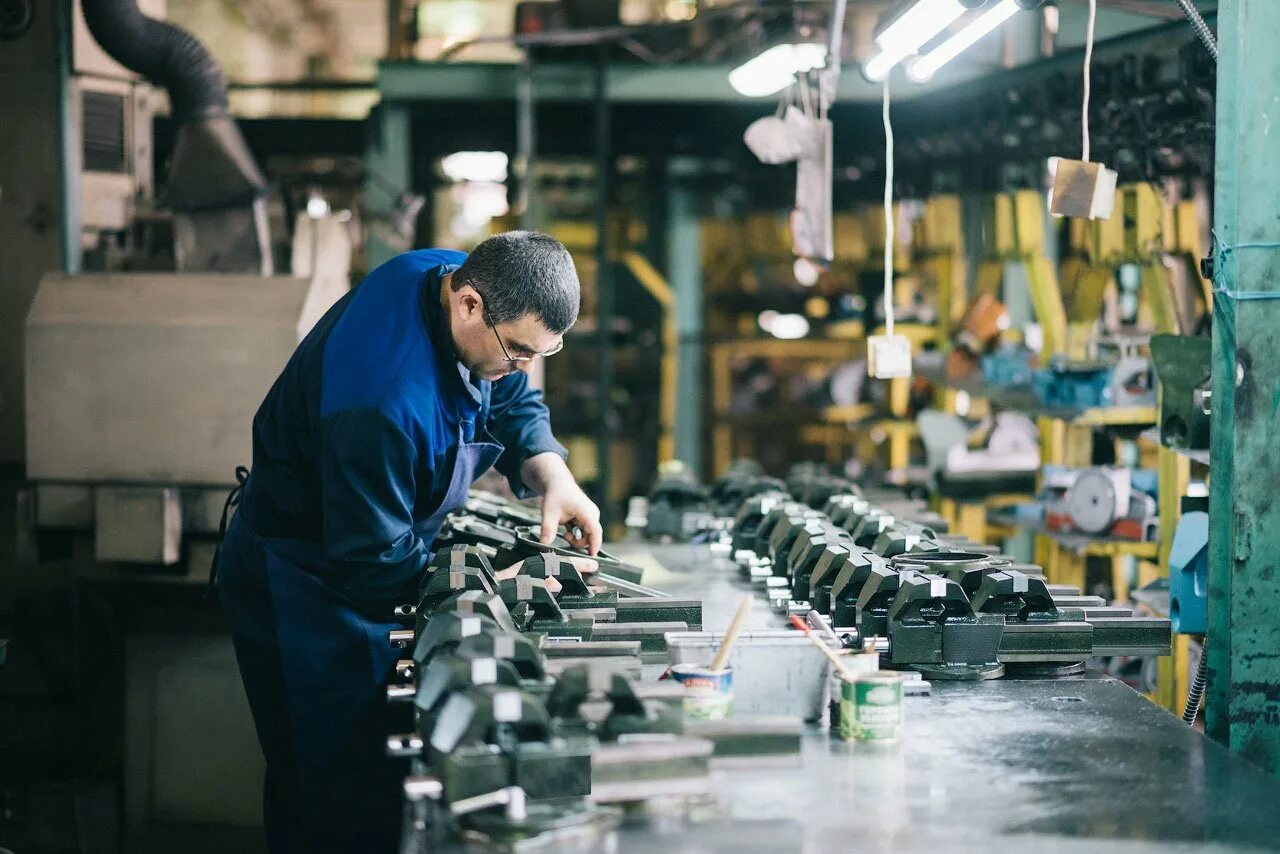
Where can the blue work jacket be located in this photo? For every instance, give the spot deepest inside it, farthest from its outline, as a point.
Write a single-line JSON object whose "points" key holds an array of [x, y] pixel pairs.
{"points": [[354, 445]]}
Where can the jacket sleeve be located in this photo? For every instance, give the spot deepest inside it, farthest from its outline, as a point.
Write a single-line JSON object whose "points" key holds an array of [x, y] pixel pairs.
{"points": [[367, 493], [519, 420]]}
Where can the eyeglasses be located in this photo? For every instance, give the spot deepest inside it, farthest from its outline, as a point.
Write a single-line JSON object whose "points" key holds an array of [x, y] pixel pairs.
{"points": [[515, 360]]}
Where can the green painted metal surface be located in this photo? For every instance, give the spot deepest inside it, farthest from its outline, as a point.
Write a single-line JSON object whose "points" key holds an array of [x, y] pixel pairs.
{"points": [[390, 162], [684, 254], [562, 81], [1244, 605]]}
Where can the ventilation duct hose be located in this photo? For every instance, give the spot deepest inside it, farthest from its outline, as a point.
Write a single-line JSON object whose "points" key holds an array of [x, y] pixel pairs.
{"points": [[166, 55], [1196, 691]]}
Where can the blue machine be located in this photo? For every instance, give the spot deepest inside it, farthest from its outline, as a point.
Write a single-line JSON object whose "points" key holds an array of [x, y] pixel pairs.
{"points": [[1076, 385], [1010, 365], [1189, 575]]}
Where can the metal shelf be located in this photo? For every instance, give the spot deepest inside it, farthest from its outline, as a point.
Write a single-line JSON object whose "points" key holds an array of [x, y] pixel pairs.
{"points": [[1081, 544], [1023, 399]]}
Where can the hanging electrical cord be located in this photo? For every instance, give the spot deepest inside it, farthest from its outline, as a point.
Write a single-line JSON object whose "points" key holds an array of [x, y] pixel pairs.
{"points": [[1196, 692], [1201, 28], [1088, 64], [888, 214]]}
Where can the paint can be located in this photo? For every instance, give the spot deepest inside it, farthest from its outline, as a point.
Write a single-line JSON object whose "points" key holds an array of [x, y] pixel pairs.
{"points": [[871, 708], [708, 694], [855, 664]]}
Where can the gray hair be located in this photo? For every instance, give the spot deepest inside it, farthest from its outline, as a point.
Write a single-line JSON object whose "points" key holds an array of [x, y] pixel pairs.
{"points": [[523, 272]]}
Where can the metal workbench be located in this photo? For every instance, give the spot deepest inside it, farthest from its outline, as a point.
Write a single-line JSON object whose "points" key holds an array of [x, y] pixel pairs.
{"points": [[1081, 764]]}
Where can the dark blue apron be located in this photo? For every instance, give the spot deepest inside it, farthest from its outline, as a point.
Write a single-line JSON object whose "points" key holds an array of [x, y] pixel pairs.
{"points": [[315, 671]]}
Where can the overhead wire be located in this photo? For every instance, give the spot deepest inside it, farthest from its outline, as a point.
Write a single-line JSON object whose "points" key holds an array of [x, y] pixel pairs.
{"points": [[1088, 64], [888, 212]]}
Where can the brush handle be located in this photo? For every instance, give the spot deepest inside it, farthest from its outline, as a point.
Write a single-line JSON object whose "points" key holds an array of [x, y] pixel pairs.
{"points": [[726, 646], [822, 647]]}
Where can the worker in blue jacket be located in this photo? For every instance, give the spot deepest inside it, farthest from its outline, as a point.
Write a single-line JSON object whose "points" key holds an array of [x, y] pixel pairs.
{"points": [[404, 393]]}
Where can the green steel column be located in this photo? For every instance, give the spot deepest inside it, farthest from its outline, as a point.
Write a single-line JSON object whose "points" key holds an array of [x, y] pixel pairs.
{"points": [[69, 142], [1243, 708], [390, 164], [684, 270]]}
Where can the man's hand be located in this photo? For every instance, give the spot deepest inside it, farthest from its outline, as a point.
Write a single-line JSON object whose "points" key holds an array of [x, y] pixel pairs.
{"points": [[563, 502], [585, 565]]}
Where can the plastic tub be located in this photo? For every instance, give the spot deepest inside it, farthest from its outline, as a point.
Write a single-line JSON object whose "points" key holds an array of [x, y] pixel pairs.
{"points": [[776, 671]]}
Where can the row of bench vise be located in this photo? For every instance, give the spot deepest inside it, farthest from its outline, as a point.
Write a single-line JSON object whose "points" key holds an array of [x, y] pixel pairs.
{"points": [[882, 568], [527, 710]]}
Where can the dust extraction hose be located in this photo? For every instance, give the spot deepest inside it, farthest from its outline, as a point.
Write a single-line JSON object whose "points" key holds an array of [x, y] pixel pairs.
{"points": [[1196, 692], [1201, 28], [163, 53]]}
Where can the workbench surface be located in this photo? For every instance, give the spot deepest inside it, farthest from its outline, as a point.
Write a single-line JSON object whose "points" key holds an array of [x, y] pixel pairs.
{"points": [[1079, 764]]}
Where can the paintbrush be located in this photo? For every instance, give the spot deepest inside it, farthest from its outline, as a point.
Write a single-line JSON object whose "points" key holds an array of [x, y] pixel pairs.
{"points": [[735, 627], [830, 653]]}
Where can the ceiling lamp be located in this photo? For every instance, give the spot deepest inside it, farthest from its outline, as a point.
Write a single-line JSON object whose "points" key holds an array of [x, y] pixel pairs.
{"points": [[776, 69], [926, 66]]}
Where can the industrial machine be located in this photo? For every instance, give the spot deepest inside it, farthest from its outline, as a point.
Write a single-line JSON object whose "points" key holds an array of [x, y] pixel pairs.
{"points": [[525, 730], [143, 317], [139, 387], [1000, 455], [1103, 500], [679, 508], [1116, 374], [1182, 363], [949, 608], [527, 710], [1189, 574]]}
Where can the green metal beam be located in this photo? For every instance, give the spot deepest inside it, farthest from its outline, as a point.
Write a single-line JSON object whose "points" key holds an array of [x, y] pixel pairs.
{"points": [[390, 164], [1243, 644], [684, 269], [628, 83]]}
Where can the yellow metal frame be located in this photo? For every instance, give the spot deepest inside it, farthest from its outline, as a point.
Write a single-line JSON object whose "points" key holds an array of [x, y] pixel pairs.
{"points": [[1028, 210], [721, 356], [941, 256], [1145, 228]]}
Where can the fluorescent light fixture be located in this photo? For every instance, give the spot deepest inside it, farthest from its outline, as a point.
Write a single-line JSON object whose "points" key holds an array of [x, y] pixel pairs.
{"points": [[918, 24], [879, 66], [776, 69], [909, 32], [475, 166], [806, 272], [926, 66], [790, 326], [317, 205]]}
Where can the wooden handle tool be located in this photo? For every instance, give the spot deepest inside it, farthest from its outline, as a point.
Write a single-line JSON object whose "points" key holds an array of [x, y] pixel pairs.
{"points": [[735, 627]]}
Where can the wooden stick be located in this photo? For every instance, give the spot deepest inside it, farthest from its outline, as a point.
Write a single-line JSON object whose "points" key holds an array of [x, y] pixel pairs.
{"points": [[830, 653], [735, 627]]}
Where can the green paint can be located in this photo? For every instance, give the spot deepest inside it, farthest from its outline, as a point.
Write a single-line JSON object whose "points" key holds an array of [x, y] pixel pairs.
{"points": [[871, 708]]}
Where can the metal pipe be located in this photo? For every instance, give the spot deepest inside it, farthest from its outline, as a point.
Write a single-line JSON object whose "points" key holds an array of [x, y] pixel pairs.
{"points": [[526, 141], [1201, 28], [69, 163], [831, 73], [1196, 692], [604, 291]]}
